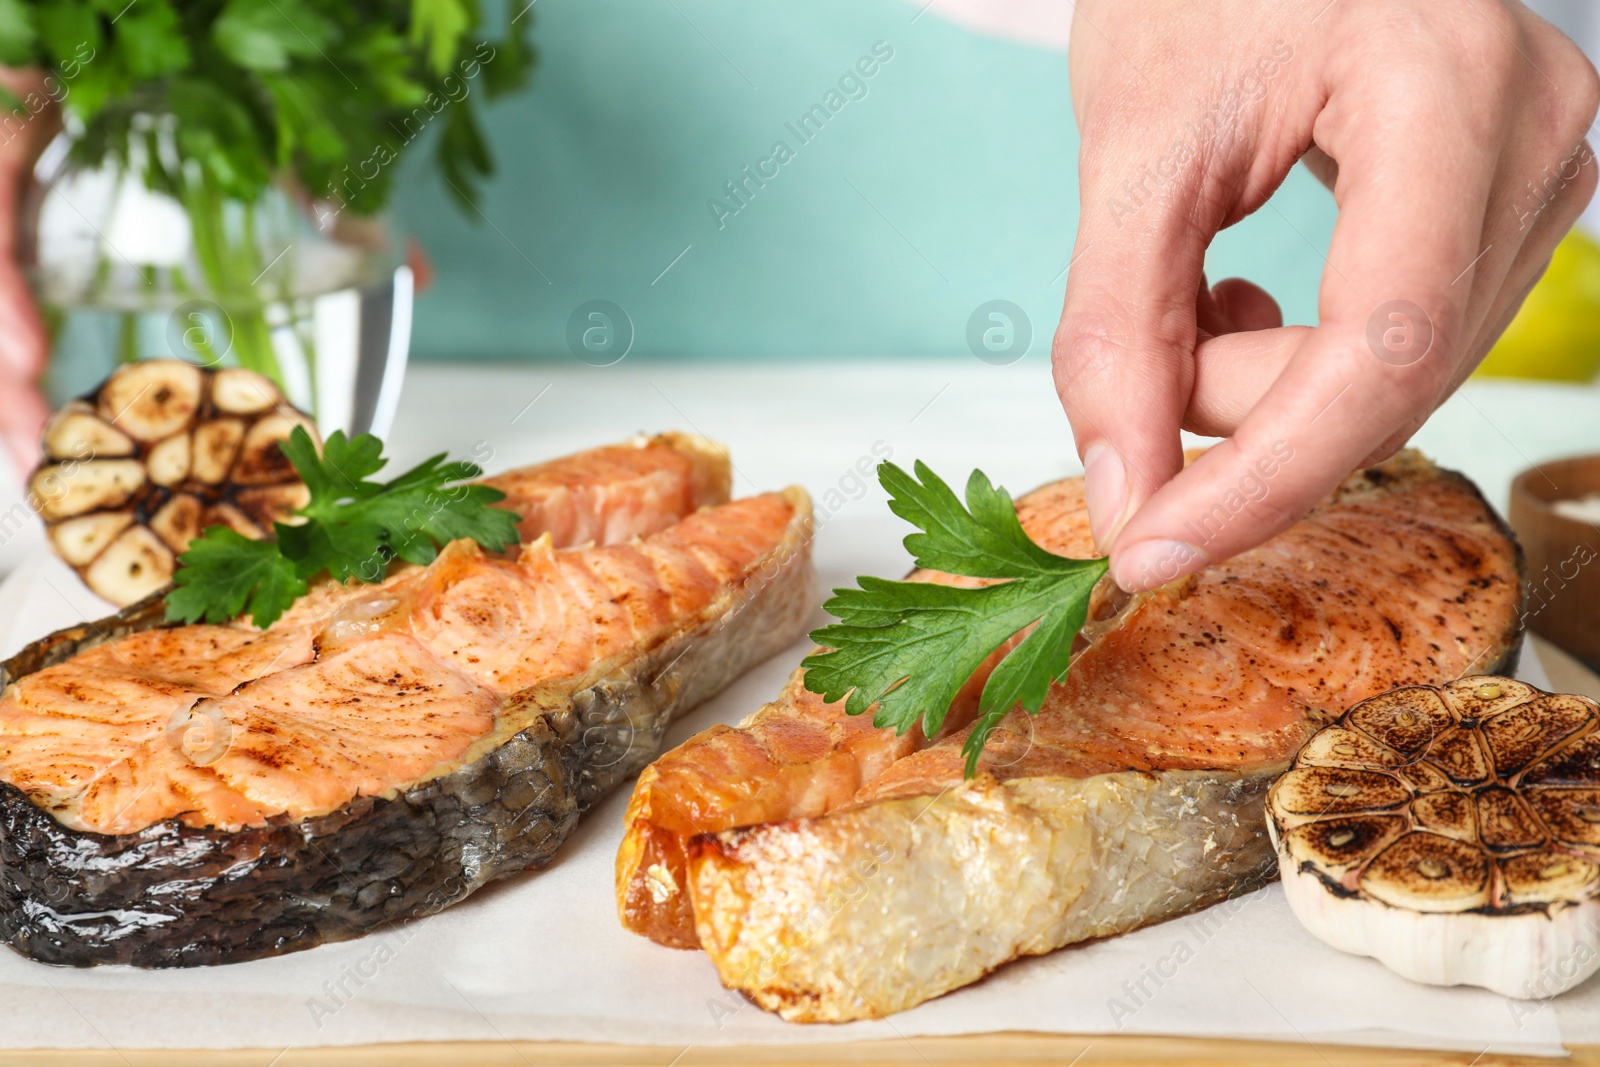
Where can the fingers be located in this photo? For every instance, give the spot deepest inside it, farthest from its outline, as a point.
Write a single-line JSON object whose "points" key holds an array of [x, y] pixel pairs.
{"points": [[421, 265], [1233, 372], [24, 342], [1388, 344], [23, 411], [1122, 356], [1246, 305], [1241, 349], [23, 348]]}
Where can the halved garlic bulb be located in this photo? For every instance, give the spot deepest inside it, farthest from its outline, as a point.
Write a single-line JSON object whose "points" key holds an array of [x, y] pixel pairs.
{"points": [[162, 449], [1452, 833]]}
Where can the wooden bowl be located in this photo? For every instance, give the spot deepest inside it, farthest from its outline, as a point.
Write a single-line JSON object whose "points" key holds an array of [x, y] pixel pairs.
{"points": [[1563, 554]]}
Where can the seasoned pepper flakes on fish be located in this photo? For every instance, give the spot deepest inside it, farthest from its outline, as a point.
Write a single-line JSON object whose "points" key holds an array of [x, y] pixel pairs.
{"points": [[1134, 796], [176, 795]]}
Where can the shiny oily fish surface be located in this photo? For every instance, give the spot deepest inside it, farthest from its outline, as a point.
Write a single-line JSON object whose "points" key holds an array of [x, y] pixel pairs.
{"points": [[1135, 795], [185, 795], [1453, 833]]}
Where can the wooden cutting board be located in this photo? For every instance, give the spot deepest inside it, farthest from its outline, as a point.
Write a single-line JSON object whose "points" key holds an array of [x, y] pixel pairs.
{"points": [[986, 1049]]}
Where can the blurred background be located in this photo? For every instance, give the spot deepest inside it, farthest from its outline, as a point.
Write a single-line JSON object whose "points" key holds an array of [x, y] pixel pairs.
{"points": [[948, 181], [322, 194], [716, 179]]}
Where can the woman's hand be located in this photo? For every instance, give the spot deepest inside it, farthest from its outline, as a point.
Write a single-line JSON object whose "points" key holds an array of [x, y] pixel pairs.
{"points": [[1452, 135], [24, 344]]}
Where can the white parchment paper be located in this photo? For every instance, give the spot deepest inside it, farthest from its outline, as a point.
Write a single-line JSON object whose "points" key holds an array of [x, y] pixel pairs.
{"points": [[543, 957]]}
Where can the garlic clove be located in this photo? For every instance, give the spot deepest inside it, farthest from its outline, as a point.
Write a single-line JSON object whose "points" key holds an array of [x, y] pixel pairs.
{"points": [[1521, 735], [1477, 698], [1422, 777], [1504, 821], [1429, 872], [168, 461], [1314, 792], [80, 540], [274, 503], [1573, 815], [1339, 846], [72, 488], [1448, 813], [260, 460], [1460, 755], [76, 432], [178, 521], [231, 517], [216, 443], [151, 399], [1547, 877], [1341, 747], [243, 392], [135, 565], [1574, 763], [1406, 719]]}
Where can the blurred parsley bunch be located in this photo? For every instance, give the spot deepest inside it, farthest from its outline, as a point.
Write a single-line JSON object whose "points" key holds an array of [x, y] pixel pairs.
{"points": [[237, 110], [330, 92]]}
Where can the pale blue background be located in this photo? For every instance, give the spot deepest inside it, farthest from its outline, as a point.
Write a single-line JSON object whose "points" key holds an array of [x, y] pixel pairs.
{"points": [[634, 119]]}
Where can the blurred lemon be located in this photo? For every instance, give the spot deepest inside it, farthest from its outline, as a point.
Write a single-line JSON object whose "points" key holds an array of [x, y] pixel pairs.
{"points": [[1556, 335]]}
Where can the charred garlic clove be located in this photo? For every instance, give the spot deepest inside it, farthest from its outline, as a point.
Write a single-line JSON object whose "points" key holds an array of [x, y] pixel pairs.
{"points": [[1452, 833], [160, 451]]}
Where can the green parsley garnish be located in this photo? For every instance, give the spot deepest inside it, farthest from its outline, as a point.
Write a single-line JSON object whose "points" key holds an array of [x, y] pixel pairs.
{"points": [[353, 528], [909, 647]]}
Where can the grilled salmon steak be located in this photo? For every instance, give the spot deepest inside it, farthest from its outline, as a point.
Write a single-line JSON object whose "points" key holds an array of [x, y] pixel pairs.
{"points": [[833, 871], [381, 750]]}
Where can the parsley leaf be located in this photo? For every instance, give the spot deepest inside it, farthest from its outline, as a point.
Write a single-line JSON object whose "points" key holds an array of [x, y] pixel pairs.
{"points": [[225, 573], [907, 648], [351, 528]]}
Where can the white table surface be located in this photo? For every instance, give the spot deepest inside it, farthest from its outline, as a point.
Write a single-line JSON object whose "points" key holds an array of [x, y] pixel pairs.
{"points": [[813, 422], [540, 956]]}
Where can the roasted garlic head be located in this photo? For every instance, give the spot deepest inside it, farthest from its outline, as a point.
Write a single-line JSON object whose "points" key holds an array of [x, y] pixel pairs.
{"points": [[1452, 833], [160, 451]]}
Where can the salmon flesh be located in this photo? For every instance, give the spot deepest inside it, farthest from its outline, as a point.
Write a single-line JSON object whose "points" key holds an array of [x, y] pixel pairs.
{"points": [[834, 871], [177, 795]]}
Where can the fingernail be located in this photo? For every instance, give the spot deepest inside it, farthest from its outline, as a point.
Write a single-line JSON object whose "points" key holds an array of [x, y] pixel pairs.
{"points": [[1105, 490], [1148, 564]]}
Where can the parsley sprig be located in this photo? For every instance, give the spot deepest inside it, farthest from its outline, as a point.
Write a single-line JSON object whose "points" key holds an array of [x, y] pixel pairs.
{"points": [[908, 647], [352, 528]]}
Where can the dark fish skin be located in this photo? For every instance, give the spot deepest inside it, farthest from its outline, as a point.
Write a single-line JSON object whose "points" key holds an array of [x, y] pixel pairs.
{"points": [[1134, 796], [176, 896]]}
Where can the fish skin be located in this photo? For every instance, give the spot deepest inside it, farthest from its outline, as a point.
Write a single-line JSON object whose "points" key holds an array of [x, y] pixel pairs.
{"points": [[873, 909], [798, 756], [1095, 817], [173, 893]]}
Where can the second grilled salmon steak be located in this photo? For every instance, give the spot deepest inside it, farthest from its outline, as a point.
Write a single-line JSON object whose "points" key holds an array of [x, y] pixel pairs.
{"points": [[194, 794], [833, 871]]}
